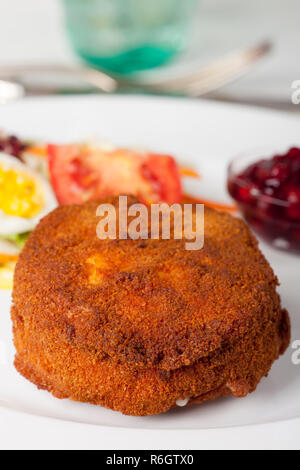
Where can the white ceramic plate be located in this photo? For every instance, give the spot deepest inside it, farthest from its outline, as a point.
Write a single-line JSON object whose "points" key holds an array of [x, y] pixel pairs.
{"points": [[206, 136]]}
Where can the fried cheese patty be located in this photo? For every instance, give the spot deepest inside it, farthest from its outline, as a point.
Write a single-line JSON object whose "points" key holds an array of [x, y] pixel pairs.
{"points": [[140, 325]]}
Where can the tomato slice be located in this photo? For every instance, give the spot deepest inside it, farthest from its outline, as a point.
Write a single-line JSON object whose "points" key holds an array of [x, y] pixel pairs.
{"points": [[164, 173], [79, 173]]}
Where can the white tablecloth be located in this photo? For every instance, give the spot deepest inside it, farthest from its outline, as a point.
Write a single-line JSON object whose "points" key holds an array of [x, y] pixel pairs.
{"points": [[33, 30]]}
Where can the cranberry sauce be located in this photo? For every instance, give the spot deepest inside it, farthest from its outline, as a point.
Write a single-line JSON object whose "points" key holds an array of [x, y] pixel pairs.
{"points": [[268, 194]]}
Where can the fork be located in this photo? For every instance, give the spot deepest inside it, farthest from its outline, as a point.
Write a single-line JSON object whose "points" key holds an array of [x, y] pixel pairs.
{"points": [[210, 78]]}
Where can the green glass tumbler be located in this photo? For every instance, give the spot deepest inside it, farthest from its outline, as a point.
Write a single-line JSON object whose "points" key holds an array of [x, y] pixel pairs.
{"points": [[126, 36]]}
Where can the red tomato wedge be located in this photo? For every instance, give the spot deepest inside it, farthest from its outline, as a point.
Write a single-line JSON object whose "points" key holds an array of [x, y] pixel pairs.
{"points": [[79, 173]]}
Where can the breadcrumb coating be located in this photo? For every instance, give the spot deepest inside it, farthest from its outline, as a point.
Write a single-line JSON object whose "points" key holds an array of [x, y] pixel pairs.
{"points": [[136, 325]]}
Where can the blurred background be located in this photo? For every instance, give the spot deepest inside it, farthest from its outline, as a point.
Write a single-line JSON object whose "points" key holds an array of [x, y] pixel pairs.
{"points": [[158, 38]]}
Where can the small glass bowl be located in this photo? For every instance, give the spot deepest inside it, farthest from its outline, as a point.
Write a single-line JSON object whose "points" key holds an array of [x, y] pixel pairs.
{"points": [[265, 214]]}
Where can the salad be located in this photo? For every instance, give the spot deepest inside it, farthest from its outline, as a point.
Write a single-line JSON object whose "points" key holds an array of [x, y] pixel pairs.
{"points": [[36, 177], [25, 197]]}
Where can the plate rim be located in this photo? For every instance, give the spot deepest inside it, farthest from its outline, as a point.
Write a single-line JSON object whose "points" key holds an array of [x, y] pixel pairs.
{"points": [[18, 416]]}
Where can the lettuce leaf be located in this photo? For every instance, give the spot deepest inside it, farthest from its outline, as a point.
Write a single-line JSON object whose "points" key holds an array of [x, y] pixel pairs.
{"points": [[19, 239]]}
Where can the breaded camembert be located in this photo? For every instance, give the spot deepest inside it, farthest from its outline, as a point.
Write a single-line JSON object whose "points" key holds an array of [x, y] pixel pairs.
{"points": [[139, 326]]}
